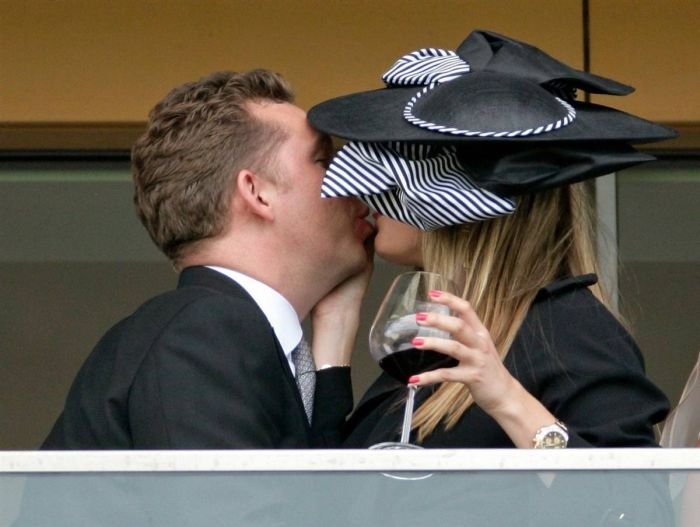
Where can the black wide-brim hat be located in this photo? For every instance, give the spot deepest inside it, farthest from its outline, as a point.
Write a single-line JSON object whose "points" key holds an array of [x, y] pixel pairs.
{"points": [[377, 116], [502, 90], [455, 137]]}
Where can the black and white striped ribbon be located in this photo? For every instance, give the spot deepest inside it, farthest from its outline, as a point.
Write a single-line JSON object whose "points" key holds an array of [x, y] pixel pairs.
{"points": [[429, 67], [421, 185], [426, 66]]}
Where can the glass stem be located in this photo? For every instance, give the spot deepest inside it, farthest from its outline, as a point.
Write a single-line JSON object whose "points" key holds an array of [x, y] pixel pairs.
{"points": [[408, 413]]}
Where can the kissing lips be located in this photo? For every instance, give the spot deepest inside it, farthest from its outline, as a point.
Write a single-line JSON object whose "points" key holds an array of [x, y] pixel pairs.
{"points": [[363, 228]]}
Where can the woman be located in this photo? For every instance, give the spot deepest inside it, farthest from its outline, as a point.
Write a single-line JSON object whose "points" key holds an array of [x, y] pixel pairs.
{"points": [[477, 155], [552, 351]]}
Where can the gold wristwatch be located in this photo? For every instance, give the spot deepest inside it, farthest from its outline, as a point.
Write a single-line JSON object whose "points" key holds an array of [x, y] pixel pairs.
{"points": [[552, 436]]}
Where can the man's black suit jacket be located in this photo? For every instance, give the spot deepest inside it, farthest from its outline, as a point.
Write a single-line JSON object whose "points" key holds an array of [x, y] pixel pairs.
{"points": [[195, 368]]}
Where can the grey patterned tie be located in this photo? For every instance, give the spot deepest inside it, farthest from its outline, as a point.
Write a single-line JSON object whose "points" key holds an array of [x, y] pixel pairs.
{"points": [[306, 375]]}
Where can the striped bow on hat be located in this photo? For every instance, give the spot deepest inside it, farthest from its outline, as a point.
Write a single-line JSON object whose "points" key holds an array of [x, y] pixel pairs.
{"points": [[496, 118], [421, 185]]}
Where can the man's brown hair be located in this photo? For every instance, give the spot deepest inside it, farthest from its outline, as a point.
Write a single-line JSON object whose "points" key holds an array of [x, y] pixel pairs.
{"points": [[197, 139]]}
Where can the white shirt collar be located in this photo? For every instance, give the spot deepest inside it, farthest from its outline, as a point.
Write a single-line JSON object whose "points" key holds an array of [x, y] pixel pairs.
{"points": [[279, 312]]}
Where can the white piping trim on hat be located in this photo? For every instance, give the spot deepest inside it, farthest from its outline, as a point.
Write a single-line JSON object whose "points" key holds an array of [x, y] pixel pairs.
{"points": [[411, 118]]}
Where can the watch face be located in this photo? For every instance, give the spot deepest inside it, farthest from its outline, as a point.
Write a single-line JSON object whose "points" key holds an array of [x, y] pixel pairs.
{"points": [[553, 439], [552, 436]]}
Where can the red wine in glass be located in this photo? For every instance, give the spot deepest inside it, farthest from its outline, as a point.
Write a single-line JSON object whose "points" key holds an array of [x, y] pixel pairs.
{"points": [[403, 364]]}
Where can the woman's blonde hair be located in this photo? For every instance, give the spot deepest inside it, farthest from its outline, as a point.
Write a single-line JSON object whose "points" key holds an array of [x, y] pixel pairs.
{"points": [[499, 265]]}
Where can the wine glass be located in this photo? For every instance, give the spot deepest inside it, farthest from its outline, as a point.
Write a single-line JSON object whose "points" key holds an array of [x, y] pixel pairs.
{"points": [[393, 331]]}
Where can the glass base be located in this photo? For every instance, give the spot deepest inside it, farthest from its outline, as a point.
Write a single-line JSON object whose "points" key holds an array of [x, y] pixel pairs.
{"points": [[402, 476], [394, 445]]}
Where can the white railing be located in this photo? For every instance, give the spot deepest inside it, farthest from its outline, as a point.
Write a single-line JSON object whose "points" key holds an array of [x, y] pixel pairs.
{"points": [[329, 488], [668, 459]]}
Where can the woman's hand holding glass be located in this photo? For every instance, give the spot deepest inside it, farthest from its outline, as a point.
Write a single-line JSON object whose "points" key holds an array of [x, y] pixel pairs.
{"points": [[481, 369]]}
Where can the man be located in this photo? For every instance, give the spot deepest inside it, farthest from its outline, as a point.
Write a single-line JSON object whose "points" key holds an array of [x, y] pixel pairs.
{"points": [[227, 182]]}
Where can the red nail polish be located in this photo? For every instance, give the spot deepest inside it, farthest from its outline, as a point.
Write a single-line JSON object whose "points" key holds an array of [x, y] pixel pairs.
{"points": [[417, 341], [421, 316], [435, 293], [413, 379]]}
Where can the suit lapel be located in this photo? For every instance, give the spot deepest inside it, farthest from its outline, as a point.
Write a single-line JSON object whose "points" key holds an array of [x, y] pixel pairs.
{"points": [[208, 278]]}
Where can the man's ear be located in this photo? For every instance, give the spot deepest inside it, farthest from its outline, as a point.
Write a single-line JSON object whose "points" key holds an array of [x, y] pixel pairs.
{"points": [[255, 193]]}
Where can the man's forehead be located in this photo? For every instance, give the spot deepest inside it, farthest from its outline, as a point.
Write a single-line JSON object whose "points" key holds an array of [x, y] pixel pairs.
{"points": [[293, 120]]}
